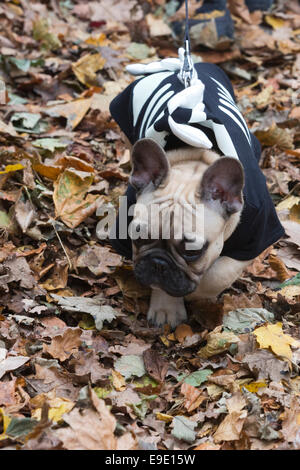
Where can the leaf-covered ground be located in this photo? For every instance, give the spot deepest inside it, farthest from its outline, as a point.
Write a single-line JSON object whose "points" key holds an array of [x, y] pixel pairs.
{"points": [[79, 366]]}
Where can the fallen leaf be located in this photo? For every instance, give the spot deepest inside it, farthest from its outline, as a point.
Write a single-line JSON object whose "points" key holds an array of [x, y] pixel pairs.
{"points": [[231, 426], [217, 342], [193, 397], [274, 135], [198, 377], [89, 430], [24, 213], [12, 168], [93, 307], [98, 259], [58, 406], [266, 366], [128, 284], [279, 267], [64, 345], [275, 21], [243, 320], [86, 67], [74, 111], [182, 331], [291, 423], [207, 446], [8, 363], [155, 365], [59, 276], [272, 336], [72, 202], [157, 26], [130, 365], [118, 381], [183, 429]]}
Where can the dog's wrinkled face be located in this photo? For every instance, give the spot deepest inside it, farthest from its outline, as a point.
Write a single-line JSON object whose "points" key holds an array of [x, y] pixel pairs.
{"points": [[182, 216]]}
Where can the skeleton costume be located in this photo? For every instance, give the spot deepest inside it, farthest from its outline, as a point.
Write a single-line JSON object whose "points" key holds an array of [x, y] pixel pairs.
{"points": [[204, 115]]}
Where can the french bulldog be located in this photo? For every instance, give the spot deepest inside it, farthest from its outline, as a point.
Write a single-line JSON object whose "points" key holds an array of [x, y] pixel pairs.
{"points": [[191, 148], [172, 269]]}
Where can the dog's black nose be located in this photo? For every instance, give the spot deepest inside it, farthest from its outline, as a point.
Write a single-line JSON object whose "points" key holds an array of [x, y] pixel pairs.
{"points": [[160, 265]]}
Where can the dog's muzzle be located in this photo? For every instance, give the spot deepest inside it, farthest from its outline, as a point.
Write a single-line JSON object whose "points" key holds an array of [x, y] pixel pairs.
{"points": [[158, 269]]}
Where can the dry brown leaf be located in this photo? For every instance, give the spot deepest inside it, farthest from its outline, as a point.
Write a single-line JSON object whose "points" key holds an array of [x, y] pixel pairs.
{"points": [[217, 342], [279, 267], [193, 397], [128, 283], [183, 331], [275, 136], [72, 202], [231, 426], [89, 430], [239, 9], [64, 345], [86, 67], [74, 111], [208, 446], [118, 381], [259, 268], [59, 276], [291, 423], [98, 259], [155, 365], [52, 168], [233, 302]]}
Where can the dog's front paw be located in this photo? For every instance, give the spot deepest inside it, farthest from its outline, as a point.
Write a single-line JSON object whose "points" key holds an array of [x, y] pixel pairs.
{"points": [[166, 309]]}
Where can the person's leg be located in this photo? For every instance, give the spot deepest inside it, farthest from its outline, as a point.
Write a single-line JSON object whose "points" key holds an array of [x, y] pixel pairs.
{"points": [[262, 5], [212, 26]]}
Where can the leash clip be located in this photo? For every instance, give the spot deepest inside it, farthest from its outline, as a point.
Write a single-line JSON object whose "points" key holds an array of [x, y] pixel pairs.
{"points": [[187, 68]]}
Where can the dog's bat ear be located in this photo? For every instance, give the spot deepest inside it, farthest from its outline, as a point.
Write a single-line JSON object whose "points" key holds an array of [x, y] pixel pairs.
{"points": [[149, 164], [223, 182]]}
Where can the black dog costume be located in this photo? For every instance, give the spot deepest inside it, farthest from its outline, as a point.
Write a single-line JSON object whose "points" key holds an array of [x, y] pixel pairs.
{"points": [[204, 115]]}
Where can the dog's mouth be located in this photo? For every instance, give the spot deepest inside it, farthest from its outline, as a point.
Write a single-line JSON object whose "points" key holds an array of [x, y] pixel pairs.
{"points": [[158, 269]]}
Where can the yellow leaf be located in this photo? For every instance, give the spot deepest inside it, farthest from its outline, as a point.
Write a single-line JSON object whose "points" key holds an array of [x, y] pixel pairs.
{"points": [[272, 336], [217, 342], [118, 381], [253, 387], [97, 40], [171, 337], [164, 417], [165, 340], [53, 168], [10, 168], [86, 67], [275, 22], [295, 213], [58, 407], [288, 203], [51, 172], [5, 423]]}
